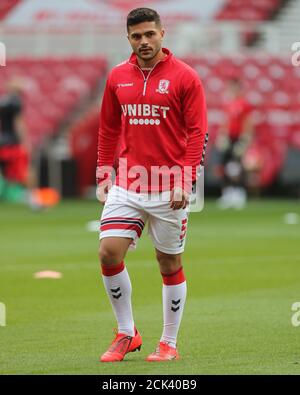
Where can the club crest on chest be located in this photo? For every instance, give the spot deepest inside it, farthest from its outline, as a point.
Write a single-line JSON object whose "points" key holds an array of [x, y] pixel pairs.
{"points": [[163, 86]]}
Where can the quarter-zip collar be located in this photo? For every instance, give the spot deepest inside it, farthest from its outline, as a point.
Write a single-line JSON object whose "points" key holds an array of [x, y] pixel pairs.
{"points": [[133, 61]]}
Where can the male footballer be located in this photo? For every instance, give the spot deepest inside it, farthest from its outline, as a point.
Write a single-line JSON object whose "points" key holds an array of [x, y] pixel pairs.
{"points": [[153, 119]]}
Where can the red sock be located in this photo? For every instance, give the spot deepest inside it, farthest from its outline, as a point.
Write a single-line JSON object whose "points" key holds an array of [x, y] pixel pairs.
{"points": [[174, 278], [112, 270]]}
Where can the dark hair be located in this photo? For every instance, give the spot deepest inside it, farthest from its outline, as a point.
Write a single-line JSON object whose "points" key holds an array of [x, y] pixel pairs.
{"points": [[139, 15]]}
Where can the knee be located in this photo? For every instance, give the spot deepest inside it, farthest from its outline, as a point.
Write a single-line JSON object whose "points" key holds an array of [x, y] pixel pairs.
{"points": [[168, 263], [108, 255]]}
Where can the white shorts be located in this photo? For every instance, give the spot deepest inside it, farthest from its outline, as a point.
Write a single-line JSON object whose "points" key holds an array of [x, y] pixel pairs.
{"points": [[125, 214]]}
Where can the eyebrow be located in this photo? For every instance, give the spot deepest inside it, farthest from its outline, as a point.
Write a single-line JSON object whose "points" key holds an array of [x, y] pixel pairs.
{"points": [[141, 34]]}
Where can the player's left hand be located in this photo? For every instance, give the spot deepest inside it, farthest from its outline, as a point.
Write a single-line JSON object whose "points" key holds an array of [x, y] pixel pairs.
{"points": [[179, 198]]}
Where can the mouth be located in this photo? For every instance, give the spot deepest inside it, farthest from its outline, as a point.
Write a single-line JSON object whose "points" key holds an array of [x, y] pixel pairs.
{"points": [[145, 50]]}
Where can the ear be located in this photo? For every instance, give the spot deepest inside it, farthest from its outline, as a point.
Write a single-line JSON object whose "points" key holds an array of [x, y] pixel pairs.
{"points": [[162, 33]]}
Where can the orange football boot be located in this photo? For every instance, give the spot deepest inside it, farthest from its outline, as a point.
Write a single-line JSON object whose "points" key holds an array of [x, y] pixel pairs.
{"points": [[121, 345], [163, 353]]}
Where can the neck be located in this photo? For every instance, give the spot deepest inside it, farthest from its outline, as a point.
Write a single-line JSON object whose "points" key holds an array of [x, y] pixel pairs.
{"points": [[151, 62]]}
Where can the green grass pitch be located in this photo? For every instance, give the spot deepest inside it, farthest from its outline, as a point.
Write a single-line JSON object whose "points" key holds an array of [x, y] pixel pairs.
{"points": [[243, 274]]}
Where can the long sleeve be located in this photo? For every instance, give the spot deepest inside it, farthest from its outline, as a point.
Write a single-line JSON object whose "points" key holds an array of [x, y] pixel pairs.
{"points": [[195, 117], [110, 127]]}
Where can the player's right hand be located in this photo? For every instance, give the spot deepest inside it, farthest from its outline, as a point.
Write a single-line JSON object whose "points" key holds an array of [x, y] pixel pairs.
{"points": [[102, 191], [179, 198]]}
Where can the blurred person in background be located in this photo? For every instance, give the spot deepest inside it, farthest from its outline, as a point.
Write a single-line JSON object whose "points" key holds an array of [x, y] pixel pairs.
{"points": [[234, 137], [14, 145]]}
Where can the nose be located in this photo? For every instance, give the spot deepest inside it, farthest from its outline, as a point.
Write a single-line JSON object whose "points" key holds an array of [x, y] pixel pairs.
{"points": [[144, 41]]}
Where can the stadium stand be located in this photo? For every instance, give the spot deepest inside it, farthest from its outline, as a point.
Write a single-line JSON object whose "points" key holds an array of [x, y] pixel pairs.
{"points": [[271, 85], [83, 138], [252, 10], [6, 6], [287, 25], [53, 88]]}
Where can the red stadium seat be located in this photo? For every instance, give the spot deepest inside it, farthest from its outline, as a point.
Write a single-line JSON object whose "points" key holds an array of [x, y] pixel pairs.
{"points": [[52, 88], [6, 6], [252, 10]]}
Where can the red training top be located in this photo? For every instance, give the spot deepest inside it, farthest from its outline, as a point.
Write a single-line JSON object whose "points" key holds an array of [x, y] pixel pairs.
{"points": [[161, 116], [237, 111]]}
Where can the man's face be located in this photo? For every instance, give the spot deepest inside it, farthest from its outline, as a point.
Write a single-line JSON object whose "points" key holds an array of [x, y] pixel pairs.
{"points": [[146, 39]]}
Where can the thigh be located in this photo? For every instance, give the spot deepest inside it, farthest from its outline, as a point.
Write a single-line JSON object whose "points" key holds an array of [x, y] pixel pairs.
{"points": [[168, 228], [121, 217]]}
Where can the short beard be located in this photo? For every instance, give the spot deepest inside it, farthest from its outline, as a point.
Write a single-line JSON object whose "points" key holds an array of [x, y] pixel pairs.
{"points": [[148, 59]]}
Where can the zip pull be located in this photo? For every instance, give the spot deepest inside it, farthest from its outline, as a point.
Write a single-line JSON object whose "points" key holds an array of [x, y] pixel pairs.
{"points": [[145, 86]]}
